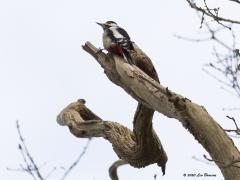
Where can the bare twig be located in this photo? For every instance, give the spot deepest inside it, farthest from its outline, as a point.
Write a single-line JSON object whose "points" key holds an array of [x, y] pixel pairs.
{"points": [[212, 13], [212, 36], [237, 130], [202, 161], [74, 164], [23, 169], [231, 109], [236, 1], [28, 168], [215, 77], [231, 163], [31, 166], [193, 39], [227, 64], [50, 173]]}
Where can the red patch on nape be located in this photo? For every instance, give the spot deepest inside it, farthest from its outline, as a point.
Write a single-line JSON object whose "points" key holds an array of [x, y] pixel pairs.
{"points": [[116, 50]]}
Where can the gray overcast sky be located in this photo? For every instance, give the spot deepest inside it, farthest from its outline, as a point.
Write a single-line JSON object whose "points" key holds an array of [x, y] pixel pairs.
{"points": [[43, 69]]}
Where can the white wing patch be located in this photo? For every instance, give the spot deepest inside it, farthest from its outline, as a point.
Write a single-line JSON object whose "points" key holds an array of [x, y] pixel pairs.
{"points": [[116, 34]]}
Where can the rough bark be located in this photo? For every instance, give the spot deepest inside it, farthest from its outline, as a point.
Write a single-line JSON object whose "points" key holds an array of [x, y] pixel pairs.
{"points": [[151, 94], [139, 148]]}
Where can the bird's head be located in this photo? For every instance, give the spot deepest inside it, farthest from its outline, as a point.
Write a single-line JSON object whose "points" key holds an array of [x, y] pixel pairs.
{"points": [[107, 24]]}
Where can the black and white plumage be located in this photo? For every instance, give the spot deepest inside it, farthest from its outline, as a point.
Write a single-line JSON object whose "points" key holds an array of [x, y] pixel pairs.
{"points": [[116, 40]]}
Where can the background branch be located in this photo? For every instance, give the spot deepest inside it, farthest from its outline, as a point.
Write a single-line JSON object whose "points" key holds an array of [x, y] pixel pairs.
{"points": [[74, 164], [30, 166], [226, 66], [237, 130], [212, 12]]}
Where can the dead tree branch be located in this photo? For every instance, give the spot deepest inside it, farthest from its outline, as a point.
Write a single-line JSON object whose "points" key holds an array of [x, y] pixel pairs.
{"points": [[155, 96], [137, 149], [136, 146]]}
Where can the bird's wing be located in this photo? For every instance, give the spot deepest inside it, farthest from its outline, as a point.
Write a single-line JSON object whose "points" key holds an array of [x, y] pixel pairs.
{"points": [[123, 33]]}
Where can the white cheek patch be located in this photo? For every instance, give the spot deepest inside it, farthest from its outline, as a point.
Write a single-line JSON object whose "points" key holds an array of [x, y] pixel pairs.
{"points": [[116, 34]]}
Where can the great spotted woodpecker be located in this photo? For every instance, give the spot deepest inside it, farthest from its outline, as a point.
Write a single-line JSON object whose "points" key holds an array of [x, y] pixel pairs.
{"points": [[116, 40]]}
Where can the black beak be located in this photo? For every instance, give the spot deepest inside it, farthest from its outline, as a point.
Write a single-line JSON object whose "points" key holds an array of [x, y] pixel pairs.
{"points": [[100, 24]]}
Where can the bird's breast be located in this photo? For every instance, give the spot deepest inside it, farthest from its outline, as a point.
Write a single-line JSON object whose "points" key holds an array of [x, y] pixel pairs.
{"points": [[107, 42]]}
